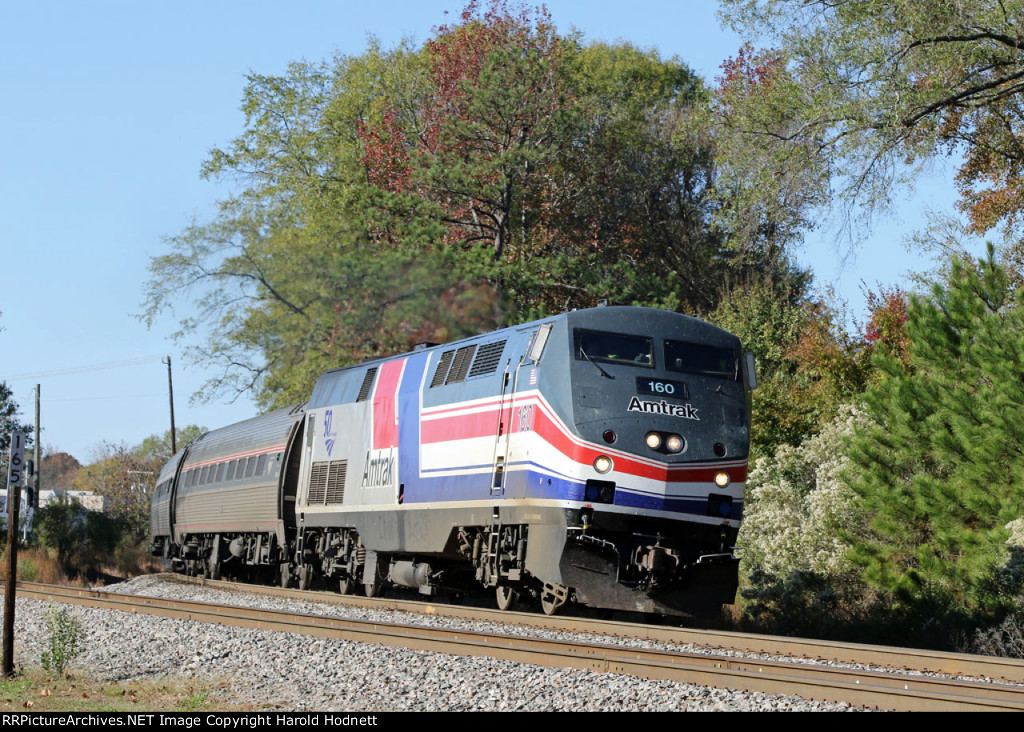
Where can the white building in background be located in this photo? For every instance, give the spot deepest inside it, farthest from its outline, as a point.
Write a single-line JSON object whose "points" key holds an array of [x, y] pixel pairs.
{"points": [[86, 499]]}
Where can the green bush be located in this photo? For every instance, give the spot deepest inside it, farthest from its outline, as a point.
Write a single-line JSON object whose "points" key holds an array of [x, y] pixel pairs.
{"points": [[81, 538], [66, 636], [802, 604], [27, 569]]}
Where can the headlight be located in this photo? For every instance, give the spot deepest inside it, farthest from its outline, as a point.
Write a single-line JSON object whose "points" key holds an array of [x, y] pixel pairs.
{"points": [[653, 440], [603, 464], [722, 479], [674, 443]]}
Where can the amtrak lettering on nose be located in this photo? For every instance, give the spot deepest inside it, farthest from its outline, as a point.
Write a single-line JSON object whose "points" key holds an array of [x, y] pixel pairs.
{"points": [[686, 411]]}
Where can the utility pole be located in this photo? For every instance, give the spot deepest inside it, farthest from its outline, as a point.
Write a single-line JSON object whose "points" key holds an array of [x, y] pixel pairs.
{"points": [[36, 457], [170, 392]]}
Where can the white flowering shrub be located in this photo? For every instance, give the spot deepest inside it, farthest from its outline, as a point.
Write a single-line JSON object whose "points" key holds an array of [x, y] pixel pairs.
{"points": [[1016, 529], [1009, 579], [797, 502]]}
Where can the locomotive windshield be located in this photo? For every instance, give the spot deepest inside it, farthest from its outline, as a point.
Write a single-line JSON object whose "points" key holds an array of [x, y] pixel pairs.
{"points": [[595, 345], [694, 358]]}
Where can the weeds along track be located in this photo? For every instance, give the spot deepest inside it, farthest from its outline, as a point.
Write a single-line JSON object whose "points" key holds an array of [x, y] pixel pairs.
{"points": [[894, 681]]}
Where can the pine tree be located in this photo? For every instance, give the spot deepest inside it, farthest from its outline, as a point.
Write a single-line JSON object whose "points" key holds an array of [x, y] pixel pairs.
{"points": [[942, 471]]}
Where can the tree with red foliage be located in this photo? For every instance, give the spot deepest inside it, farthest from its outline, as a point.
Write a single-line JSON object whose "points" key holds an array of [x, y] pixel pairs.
{"points": [[499, 172], [887, 326], [58, 470], [495, 116], [580, 172]]}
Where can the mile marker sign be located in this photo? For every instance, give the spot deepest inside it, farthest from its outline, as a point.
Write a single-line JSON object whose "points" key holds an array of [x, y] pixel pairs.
{"points": [[16, 467]]}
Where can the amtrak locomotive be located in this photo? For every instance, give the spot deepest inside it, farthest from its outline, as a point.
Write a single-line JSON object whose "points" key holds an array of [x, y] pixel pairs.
{"points": [[596, 457]]}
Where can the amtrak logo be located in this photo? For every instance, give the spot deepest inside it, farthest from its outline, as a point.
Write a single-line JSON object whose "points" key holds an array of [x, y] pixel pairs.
{"points": [[686, 411], [328, 435], [380, 470]]}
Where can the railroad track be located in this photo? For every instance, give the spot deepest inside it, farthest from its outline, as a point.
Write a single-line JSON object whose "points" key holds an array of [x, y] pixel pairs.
{"points": [[1009, 670], [875, 688]]}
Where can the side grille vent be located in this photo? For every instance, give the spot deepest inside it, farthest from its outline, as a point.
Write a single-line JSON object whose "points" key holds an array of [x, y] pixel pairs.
{"points": [[454, 365], [364, 390], [327, 483], [487, 359], [460, 365], [442, 369]]}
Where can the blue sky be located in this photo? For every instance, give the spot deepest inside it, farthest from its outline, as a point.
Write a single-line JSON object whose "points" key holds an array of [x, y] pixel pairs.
{"points": [[109, 107]]}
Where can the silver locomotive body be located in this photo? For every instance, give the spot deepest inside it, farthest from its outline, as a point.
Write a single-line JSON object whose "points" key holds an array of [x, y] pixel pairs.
{"points": [[595, 457]]}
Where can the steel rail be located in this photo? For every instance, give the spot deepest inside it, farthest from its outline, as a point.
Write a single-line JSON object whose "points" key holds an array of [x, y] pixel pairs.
{"points": [[1010, 670], [861, 688]]}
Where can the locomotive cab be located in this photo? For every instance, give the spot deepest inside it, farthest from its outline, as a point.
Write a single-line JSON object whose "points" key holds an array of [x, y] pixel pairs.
{"points": [[659, 403]]}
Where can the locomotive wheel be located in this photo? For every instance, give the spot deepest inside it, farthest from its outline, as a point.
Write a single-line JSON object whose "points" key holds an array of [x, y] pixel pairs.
{"points": [[286, 575], [345, 585], [549, 605], [506, 597], [372, 589], [305, 576], [552, 597], [213, 570]]}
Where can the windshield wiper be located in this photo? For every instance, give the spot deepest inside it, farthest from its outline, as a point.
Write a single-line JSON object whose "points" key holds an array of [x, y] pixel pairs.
{"points": [[599, 369]]}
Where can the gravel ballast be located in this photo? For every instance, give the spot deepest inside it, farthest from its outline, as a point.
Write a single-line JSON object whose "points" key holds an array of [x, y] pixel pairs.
{"points": [[283, 671]]}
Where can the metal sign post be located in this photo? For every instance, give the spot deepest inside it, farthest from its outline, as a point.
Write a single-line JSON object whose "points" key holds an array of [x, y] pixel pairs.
{"points": [[15, 474]]}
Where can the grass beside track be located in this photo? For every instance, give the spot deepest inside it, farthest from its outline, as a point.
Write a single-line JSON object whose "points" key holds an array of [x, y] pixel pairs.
{"points": [[35, 690], [32, 689]]}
